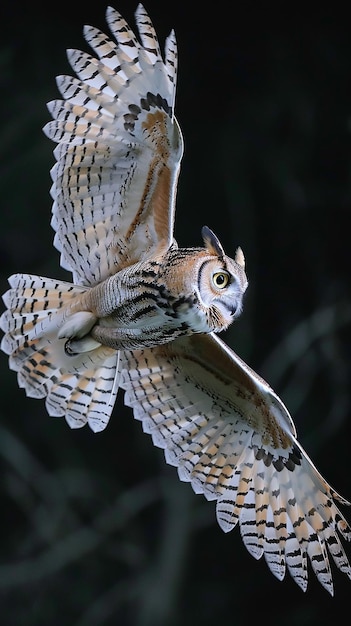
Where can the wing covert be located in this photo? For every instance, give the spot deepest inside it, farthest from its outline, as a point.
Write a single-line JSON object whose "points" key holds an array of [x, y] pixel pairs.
{"points": [[119, 150]]}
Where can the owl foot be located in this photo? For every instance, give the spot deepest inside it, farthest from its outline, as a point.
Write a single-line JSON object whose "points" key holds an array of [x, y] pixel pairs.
{"points": [[73, 347]]}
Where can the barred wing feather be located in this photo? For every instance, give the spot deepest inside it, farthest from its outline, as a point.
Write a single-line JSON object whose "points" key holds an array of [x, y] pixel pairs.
{"points": [[233, 439], [119, 151]]}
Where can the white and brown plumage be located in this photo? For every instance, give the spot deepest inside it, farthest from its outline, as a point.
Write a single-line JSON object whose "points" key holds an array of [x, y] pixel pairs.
{"points": [[141, 313]]}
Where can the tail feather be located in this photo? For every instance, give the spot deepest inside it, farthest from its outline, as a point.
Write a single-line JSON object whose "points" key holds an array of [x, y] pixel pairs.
{"points": [[87, 396], [81, 388], [35, 307]]}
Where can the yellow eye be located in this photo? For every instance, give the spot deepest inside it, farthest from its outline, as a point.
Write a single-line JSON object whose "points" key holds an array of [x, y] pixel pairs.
{"points": [[220, 279]]}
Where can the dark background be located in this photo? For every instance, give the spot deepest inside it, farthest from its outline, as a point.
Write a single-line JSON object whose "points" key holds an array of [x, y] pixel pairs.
{"points": [[96, 529]]}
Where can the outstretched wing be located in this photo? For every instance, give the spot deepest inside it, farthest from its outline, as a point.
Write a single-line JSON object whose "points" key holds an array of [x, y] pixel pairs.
{"points": [[231, 436], [119, 150]]}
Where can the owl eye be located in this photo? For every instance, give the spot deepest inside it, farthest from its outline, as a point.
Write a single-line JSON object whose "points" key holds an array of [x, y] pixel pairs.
{"points": [[220, 279]]}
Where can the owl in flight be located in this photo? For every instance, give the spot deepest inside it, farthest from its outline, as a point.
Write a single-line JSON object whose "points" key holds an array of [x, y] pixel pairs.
{"points": [[142, 314]]}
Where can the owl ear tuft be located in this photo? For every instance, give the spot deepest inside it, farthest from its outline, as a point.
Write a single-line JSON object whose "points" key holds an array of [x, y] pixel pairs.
{"points": [[239, 257], [212, 242]]}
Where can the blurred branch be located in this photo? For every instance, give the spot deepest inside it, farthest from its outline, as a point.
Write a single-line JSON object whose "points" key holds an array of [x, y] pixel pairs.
{"points": [[77, 543], [108, 603], [155, 608], [164, 570], [30, 480], [296, 362], [292, 347]]}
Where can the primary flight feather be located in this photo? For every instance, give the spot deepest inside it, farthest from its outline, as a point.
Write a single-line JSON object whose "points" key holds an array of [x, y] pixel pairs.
{"points": [[142, 314]]}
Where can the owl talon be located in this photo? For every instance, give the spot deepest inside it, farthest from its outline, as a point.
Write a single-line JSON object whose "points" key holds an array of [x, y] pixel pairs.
{"points": [[74, 347], [68, 349]]}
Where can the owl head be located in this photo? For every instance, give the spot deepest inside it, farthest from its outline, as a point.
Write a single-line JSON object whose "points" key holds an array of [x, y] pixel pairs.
{"points": [[222, 283]]}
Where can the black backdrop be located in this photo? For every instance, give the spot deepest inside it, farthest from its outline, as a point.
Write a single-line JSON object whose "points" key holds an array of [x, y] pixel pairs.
{"points": [[96, 529]]}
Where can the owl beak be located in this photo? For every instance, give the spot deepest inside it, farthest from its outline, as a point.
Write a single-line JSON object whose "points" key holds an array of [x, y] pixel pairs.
{"points": [[235, 311], [234, 308]]}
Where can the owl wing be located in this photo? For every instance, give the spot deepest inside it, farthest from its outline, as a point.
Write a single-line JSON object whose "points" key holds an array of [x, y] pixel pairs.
{"points": [[230, 435], [119, 150]]}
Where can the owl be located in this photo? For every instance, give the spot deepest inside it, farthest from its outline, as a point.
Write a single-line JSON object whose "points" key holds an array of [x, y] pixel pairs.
{"points": [[142, 314]]}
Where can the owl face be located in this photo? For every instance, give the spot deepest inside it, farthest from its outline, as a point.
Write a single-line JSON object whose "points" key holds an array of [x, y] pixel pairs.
{"points": [[222, 284]]}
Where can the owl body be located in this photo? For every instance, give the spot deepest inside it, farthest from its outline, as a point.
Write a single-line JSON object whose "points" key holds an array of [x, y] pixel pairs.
{"points": [[142, 314], [179, 292]]}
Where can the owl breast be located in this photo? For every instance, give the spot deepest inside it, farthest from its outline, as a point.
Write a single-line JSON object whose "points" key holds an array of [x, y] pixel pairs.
{"points": [[147, 312]]}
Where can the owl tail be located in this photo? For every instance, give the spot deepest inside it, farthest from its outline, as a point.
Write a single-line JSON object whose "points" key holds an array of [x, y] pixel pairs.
{"points": [[83, 387]]}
